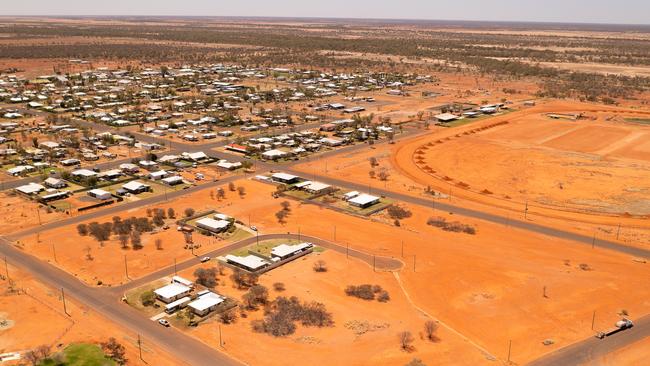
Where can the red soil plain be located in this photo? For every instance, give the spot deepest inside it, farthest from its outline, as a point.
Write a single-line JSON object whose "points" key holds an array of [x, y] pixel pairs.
{"points": [[472, 284]]}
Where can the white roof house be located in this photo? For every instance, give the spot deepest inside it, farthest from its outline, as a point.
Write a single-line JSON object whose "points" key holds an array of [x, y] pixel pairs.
{"points": [[197, 156], [157, 175], [213, 225], [316, 187], [350, 195], [172, 180], [54, 182], [274, 154], [446, 117], [364, 200], [284, 177], [135, 186], [20, 169], [172, 292], [206, 302], [99, 194], [285, 250], [31, 188], [250, 262], [85, 173]]}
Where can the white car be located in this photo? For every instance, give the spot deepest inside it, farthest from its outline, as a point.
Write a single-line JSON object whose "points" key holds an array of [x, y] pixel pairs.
{"points": [[163, 322], [205, 259], [254, 228]]}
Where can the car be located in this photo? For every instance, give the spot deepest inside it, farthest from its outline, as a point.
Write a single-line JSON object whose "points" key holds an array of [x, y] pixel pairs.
{"points": [[205, 259], [254, 228], [163, 322]]}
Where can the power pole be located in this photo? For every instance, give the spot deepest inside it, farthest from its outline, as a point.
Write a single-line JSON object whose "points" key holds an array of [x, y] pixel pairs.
{"points": [[347, 250], [334, 232], [175, 272], [7, 268], [413, 262], [126, 268], [38, 213], [618, 231], [593, 320], [593, 242], [140, 347], [402, 248], [526, 211], [54, 252], [544, 294], [509, 349], [298, 233], [220, 337], [374, 263], [65, 309]]}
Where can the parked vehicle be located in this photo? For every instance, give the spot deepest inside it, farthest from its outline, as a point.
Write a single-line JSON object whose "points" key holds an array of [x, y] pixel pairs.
{"points": [[620, 326], [164, 322]]}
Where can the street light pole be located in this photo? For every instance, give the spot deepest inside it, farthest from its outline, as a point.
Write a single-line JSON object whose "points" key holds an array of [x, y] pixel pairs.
{"points": [[65, 309]]}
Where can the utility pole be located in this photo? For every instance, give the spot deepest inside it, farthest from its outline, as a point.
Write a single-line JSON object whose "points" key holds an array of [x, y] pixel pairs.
{"points": [[65, 309], [126, 268], [593, 320], [220, 337], [38, 213], [618, 231], [402, 248], [54, 252], [298, 233], [593, 242], [374, 263], [7, 268], [509, 349], [544, 292], [175, 272], [334, 232], [413, 262], [140, 347], [526, 211], [347, 250]]}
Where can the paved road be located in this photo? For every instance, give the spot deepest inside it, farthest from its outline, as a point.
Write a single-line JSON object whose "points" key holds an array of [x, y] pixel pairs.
{"points": [[379, 262], [486, 216], [172, 340], [592, 349]]}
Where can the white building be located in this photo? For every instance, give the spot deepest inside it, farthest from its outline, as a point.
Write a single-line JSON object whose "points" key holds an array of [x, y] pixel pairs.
{"points": [[364, 200], [250, 262], [172, 292], [215, 226], [207, 302]]}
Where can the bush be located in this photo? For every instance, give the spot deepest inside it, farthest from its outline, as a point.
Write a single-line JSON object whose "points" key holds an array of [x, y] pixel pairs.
{"points": [[206, 277], [383, 296], [284, 312], [279, 286], [82, 229], [455, 226], [189, 212], [320, 266], [364, 292], [398, 212], [148, 298]]}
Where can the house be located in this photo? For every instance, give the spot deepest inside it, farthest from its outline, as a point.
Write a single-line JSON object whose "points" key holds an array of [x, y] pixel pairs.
{"points": [[330, 142], [55, 183], [206, 303], [172, 292], [364, 200], [274, 154], [225, 164], [20, 169], [285, 178], [285, 251], [250, 263], [178, 304], [197, 156], [212, 225], [182, 281], [83, 174], [148, 164], [446, 117], [157, 175], [99, 194], [30, 189], [110, 174], [129, 168], [135, 187], [350, 195], [237, 148], [314, 187], [70, 162], [173, 180]]}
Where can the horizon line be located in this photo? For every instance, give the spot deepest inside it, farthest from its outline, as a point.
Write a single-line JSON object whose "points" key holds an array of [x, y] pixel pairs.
{"points": [[548, 22]]}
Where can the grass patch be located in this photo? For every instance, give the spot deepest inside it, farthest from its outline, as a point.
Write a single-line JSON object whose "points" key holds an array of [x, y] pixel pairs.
{"points": [[298, 194], [339, 203], [468, 120], [133, 297], [643, 121], [81, 354], [264, 247]]}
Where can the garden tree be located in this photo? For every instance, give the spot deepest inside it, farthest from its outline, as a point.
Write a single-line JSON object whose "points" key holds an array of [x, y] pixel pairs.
{"points": [[246, 164], [406, 340], [221, 193], [171, 213], [115, 351], [242, 191], [243, 279], [37, 355], [398, 212], [430, 328], [82, 229], [147, 298], [228, 317], [383, 175], [373, 162], [256, 295], [124, 240], [420, 114], [231, 187], [206, 277], [159, 244], [281, 216], [190, 316], [415, 362], [91, 181], [149, 212], [320, 266], [286, 206], [158, 221], [372, 174], [136, 240], [189, 212]]}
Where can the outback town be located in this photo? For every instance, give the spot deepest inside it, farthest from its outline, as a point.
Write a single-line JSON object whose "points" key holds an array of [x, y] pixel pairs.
{"points": [[223, 191]]}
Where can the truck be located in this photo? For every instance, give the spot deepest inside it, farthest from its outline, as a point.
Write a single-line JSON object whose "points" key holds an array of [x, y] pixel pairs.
{"points": [[620, 326]]}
